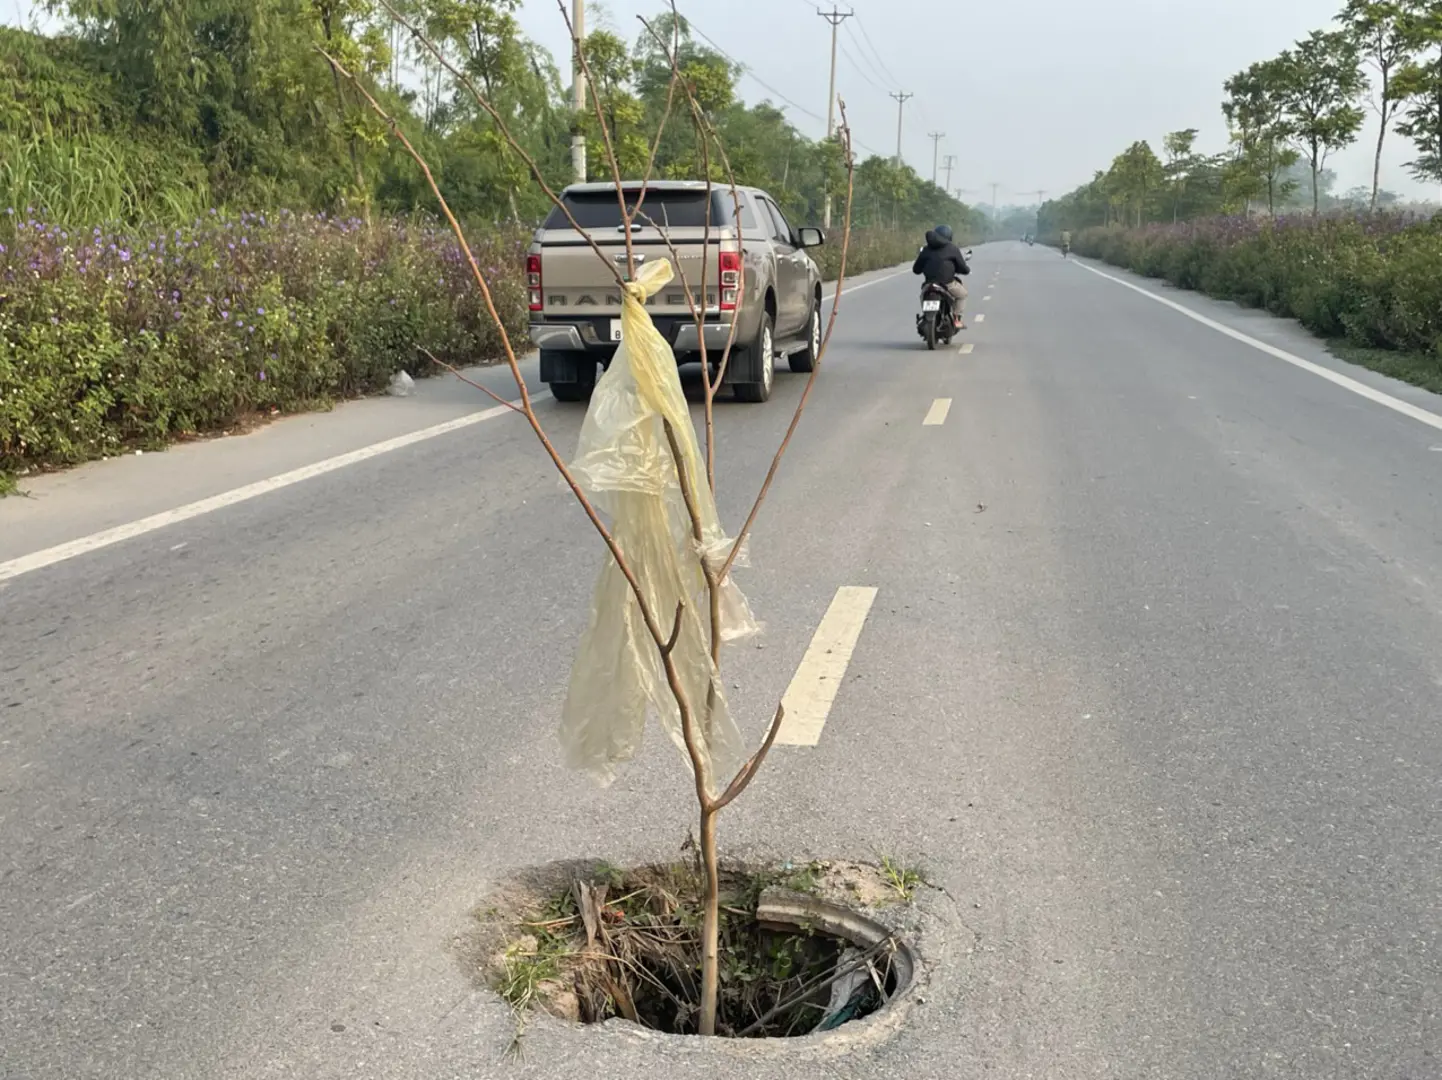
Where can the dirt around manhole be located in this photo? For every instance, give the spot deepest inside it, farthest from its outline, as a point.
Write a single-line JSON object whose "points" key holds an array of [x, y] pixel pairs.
{"points": [[801, 950]]}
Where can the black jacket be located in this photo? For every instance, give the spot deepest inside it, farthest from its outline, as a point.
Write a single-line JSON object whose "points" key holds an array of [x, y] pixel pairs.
{"points": [[940, 261]]}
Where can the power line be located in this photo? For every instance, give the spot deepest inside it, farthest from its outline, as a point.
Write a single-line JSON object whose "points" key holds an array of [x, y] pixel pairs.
{"points": [[869, 80], [861, 49], [746, 70], [889, 77]]}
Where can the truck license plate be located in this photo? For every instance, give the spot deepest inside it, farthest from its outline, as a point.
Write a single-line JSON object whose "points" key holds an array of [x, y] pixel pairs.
{"points": [[931, 305], [615, 329]]}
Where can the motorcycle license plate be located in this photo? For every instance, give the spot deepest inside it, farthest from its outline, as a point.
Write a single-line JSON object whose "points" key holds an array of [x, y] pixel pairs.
{"points": [[931, 305]]}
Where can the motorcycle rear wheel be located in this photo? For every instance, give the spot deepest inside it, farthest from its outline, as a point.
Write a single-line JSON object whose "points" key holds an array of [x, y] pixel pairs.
{"points": [[928, 329]]}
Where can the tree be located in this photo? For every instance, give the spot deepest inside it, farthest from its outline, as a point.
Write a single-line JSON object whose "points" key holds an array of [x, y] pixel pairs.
{"points": [[1256, 112], [1181, 161], [1379, 30], [1420, 82], [1321, 80], [1135, 176]]}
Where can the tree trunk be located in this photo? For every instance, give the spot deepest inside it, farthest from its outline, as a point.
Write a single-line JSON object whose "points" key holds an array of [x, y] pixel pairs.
{"points": [[1377, 157], [710, 925]]}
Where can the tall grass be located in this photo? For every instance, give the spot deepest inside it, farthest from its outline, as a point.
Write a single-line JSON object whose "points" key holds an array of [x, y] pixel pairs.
{"points": [[81, 178]]}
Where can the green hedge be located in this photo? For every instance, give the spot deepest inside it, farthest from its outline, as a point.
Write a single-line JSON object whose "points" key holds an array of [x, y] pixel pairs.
{"points": [[114, 340], [1372, 281]]}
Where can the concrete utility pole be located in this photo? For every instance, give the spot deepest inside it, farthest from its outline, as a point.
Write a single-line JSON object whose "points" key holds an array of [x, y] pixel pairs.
{"points": [[946, 163], [578, 81], [901, 100], [835, 17], [935, 137], [994, 186]]}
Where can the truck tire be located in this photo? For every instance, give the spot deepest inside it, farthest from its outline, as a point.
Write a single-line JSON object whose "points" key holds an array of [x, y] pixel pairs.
{"points": [[570, 375], [760, 358], [806, 359]]}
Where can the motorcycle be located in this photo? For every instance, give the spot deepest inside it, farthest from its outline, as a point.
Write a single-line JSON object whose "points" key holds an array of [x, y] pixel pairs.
{"points": [[936, 322]]}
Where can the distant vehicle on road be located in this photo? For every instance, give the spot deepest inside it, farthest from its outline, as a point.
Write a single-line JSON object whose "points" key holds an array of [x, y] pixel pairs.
{"points": [[576, 306]]}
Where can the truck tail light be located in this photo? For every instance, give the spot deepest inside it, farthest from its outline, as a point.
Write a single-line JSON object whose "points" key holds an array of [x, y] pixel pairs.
{"points": [[533, 280], [730, 279]]}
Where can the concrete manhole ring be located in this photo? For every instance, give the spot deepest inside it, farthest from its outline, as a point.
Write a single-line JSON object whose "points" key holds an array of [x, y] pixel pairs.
{"points": [[863, 908]]}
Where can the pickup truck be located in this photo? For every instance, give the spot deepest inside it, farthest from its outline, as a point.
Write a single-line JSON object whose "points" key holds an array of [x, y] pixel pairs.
{"points": [[575, 303]]}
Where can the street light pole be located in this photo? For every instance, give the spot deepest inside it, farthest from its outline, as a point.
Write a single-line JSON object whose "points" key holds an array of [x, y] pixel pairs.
{"points": [[835, 17], [901, 100]]}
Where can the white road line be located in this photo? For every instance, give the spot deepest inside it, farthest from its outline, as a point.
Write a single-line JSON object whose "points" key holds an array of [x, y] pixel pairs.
{"points": [[966, 348], [981, 318], [1406, 408], [818, 677], [937, 413], [985, 298], [864, 285], [38, 560]]}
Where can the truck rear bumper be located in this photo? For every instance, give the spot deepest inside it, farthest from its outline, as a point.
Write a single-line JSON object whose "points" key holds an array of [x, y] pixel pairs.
{"points": [[585, 336]]}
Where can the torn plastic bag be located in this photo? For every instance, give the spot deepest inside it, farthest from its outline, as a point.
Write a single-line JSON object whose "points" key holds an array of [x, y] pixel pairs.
{"points": [[625, 466]]}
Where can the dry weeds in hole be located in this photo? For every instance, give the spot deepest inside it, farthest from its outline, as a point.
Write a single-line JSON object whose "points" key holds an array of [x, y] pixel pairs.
{"points": [[598, 943]]}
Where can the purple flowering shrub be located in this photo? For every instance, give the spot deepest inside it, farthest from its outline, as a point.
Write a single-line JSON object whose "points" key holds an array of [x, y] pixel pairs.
{"points": [[112, 339], [1373, 280]]}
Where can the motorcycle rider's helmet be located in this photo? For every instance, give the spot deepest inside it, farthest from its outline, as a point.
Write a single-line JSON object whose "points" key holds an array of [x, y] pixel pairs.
{"points": [[943, 231]]}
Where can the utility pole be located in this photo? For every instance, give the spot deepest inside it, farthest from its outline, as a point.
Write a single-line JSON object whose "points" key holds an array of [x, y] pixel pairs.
{"points": [[835, 17], [935, 137], [946, 163], [994, 186], [578, 81], [901, 100]]}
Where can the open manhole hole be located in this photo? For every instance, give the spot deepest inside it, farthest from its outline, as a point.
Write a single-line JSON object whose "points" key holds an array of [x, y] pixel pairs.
{"points": [[803, 950]]}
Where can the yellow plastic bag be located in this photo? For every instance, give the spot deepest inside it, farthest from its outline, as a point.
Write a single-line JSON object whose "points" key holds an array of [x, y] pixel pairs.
{"points": [[625, 466]]}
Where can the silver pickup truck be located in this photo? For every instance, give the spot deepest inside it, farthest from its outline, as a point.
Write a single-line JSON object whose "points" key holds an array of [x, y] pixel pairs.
{"points": [[576, 306]]}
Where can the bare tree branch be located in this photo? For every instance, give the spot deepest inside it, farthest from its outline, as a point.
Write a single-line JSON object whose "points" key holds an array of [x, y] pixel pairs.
{"points": [[844, 132], [468, 381], [748, 771]]}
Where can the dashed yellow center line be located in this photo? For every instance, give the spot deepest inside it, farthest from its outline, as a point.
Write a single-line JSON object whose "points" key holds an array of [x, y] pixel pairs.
{"points": [[936, 415], [818, 677]]}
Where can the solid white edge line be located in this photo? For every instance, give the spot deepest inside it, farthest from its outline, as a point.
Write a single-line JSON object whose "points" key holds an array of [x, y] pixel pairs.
{"points": [[38, 560], [936, 415], [1406, 408], [813, 689]]}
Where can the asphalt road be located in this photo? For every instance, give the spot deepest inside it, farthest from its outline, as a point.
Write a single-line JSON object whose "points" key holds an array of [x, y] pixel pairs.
{"points": [[1151, 684]]}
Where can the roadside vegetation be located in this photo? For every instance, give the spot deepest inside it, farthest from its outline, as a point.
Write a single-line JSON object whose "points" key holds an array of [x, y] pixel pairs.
{"points": [[203, 223], [1261, 223]]}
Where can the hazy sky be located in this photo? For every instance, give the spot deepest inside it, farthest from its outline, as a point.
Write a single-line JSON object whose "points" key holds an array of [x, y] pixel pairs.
{"points": [[1031, 94]]}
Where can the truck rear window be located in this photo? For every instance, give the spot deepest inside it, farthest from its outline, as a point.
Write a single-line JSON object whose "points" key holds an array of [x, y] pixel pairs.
{"points": [[676, 209]]}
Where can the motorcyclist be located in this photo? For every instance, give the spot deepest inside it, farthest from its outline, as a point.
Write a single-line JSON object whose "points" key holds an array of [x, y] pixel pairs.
{"points": [[941, 262]]}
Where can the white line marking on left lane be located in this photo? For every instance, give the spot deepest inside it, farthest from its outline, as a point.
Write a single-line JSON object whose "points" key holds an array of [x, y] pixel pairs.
{"points": [[936, 415], [38, 560]]}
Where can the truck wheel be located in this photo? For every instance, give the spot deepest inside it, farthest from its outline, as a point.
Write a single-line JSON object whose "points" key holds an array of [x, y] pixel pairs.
{"points": [[806, 359], [761, 358], [570, 375]]}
